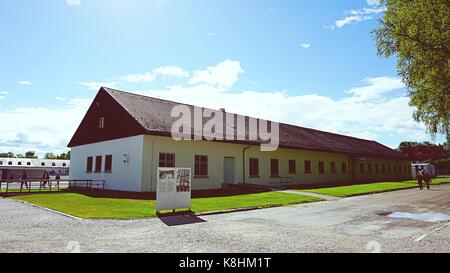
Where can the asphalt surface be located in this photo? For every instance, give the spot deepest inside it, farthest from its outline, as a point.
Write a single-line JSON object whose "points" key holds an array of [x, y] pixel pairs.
{"points": [[357, 224]]}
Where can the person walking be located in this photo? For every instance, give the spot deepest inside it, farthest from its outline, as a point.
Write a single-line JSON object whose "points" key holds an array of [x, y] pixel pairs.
{"points": [[427, 179], [44, 177], [420, 177], [24, 180]]}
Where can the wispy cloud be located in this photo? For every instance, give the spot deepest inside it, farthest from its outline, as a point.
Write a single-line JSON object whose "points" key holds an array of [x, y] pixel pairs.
{"points": [[73, 2], [170, 71], [24, 83], [3, 94], [305, 45], [358, 15], [96, 85]]}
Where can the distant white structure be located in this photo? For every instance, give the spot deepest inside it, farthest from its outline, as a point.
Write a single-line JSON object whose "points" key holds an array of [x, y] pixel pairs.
{"points": [[429, 168], [34, 168]]}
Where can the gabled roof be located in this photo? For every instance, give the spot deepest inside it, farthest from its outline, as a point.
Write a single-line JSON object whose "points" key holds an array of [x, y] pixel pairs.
{"points": [[154, 117]]}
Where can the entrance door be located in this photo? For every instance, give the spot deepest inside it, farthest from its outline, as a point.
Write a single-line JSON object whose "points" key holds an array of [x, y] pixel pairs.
{"points": [[228, 170]]}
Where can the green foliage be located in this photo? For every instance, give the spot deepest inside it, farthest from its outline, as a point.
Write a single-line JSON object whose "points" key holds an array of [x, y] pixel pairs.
{"points": [[423, 150], [418, 33]]}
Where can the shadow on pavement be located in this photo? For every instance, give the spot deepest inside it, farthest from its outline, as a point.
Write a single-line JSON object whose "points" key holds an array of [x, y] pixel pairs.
{"points": [[179, 219]]}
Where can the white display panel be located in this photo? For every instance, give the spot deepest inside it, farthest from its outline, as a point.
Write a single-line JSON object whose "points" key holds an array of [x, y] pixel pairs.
{"points": [[173, 190]]}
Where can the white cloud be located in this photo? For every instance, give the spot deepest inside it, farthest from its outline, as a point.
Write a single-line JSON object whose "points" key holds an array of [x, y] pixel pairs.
{"points": [[96, 85], [351, 20], [24, 83], [171, 71], [305, 45], [3, 94], [41, 129], [373, 2], [366, 111], [358, 15], [222, 75], [73, 2]]}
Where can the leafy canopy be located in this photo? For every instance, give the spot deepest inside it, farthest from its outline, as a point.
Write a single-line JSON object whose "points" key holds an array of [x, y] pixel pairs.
{"points": [[418, 33]]}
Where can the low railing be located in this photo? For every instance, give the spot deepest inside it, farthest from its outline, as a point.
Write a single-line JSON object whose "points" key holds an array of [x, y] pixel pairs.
{"points": [[8, 187]]}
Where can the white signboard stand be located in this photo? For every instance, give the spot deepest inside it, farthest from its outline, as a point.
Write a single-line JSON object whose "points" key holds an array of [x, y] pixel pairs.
{"points": [[173, 190]]}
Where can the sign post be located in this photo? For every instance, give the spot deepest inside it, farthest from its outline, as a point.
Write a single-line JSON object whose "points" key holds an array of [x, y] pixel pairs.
{"points": [[173, 190]]}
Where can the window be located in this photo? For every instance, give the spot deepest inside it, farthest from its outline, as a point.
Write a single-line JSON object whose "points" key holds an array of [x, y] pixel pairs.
{"points": [[28, 163], [307, 166], [361, 167], [333, 167], [108, 163], [19, 163], [201, 165], [383, 168], [10, 163], [88, 166], [377, 168], [369, 168], [166, 160], [53, 164], [321, 167], [64, 165], [101, 123], [344, 167], [254, 167], [98, 164], [1, 162], [292, 166], [274, 171]]}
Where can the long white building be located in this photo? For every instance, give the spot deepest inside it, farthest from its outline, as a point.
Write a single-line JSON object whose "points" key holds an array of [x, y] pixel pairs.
{"points": [[125, 137]]}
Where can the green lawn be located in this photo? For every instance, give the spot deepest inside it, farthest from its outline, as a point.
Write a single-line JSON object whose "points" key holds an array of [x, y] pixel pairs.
{"points": [[88, 207], [346, 191]]}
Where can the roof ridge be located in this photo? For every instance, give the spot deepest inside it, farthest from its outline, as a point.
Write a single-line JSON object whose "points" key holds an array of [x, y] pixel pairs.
{"points": [[281, 123]]}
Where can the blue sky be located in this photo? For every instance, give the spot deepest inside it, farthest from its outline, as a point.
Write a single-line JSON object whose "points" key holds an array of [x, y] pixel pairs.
{"points": [[310, 63]]}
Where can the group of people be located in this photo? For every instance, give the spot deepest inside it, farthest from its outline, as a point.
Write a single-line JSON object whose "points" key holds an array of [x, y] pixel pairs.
{"points": [[422, 175], [44, 182]]}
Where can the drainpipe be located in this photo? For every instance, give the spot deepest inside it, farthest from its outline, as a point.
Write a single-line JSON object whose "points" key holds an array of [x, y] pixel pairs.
{"points": [[243, 161]]}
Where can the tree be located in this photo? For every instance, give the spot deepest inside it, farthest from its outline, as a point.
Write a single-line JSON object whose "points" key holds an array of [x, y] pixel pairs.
{"points": [[64, 156], [49, 156], [423, 151], [418, 33]]}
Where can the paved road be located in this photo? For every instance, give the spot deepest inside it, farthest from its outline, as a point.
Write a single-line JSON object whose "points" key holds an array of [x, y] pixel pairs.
{"points": [[347, 225]]}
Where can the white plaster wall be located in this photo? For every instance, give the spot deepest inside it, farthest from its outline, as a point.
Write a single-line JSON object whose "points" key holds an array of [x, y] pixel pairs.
{"points": [[124, 176]]}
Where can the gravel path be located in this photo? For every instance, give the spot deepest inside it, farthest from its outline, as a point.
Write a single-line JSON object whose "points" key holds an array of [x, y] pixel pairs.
{"points": [[356, 224]]}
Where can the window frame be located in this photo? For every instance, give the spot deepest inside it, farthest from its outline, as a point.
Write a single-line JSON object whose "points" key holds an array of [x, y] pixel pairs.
{"points": [[274, 168], [166, 162], [307, 166], [253, 167], [333, 167], [98, 164], [89, 164], [108, 163], [344, 167], [292, 166], [201, 166]]}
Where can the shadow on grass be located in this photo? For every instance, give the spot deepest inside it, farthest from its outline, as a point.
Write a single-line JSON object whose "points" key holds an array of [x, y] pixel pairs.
{"points": [[152, 195]]}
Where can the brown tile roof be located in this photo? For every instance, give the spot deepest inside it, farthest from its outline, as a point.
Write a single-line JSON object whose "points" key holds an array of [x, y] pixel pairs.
{"points": [[154, 116]]}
